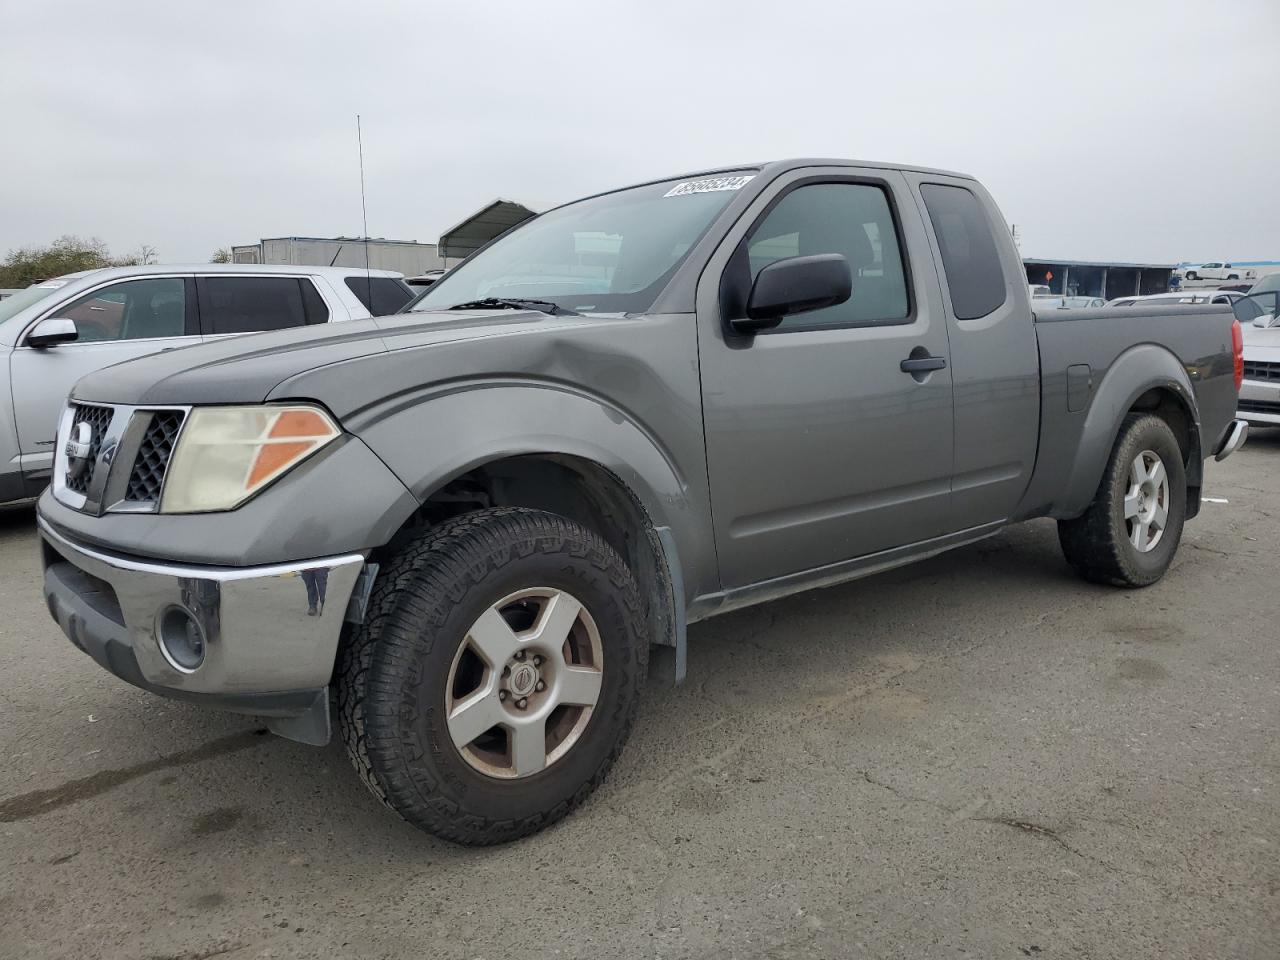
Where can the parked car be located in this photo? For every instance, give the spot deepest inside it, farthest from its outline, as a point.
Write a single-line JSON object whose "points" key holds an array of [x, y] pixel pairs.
{"points": [[1260, 392], [1222, 297], [55, 332], [474, 518], [1216, 271]]}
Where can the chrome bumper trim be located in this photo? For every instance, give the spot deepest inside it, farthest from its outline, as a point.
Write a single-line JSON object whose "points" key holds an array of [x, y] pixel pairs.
{"points": [[1237, 433], [268, 628]]}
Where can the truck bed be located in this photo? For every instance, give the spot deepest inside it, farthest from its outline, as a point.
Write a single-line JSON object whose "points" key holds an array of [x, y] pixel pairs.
{"points": [[1090, 358]]}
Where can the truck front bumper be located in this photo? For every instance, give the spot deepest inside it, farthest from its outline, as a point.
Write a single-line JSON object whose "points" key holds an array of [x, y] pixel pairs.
{"points": [[256, 640]]}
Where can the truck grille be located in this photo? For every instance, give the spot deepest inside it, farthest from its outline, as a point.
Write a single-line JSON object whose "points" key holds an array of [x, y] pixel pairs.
{"points": [[98, 418], [147, 476], [1258, 406], [1260, 370]]}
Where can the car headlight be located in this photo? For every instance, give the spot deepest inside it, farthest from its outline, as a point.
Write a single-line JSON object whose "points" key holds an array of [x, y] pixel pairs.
{"points": [[227, 454]]}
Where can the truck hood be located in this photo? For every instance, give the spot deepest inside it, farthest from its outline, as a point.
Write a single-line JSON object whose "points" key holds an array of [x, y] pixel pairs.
{"points": [[245, 369]]}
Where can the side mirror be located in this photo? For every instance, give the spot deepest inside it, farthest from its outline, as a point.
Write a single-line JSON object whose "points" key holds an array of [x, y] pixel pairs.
{"points": [[52, 331], [795, 285]]}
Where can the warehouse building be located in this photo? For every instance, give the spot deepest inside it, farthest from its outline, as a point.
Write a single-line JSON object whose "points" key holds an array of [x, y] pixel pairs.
{"points": [[404, 256]]}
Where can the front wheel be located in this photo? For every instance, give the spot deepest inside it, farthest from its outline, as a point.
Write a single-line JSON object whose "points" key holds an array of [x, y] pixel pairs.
{"points": [[1192, 275], [1129, 533], [497, 676]]}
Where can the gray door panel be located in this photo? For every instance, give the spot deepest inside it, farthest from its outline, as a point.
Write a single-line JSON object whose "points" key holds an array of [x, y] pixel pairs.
{"points": [[995, 364], [819, 447]]}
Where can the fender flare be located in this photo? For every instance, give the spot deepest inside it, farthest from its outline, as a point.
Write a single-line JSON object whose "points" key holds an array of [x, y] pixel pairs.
{"points": [[1138, 370], [435, 436]]}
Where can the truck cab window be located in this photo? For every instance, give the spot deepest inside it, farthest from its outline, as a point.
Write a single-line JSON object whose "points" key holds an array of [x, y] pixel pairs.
{"points": [[852, 219], [970, 258]]}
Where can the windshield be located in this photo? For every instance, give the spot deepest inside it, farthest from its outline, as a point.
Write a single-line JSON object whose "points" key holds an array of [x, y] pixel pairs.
{"points": [[1259, 309], [1268, 283], [609, 254], [11, 306]]}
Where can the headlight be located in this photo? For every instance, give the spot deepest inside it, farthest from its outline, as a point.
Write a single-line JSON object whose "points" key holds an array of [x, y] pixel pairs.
{"points": [[227, 454]]}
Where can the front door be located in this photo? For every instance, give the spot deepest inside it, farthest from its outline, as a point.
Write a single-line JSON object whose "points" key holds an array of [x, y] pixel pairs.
{"points": [[820, 446], [116, 322]]}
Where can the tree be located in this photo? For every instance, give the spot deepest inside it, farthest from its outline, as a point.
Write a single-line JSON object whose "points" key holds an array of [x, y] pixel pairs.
{"points": [[221, 255], [67, 254], [145, 254]]}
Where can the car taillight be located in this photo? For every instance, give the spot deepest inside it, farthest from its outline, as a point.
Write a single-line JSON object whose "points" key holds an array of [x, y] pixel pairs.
{"points": [[1237, 352]]}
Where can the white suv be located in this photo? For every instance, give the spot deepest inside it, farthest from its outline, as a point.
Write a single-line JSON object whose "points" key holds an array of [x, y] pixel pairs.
{"points": [[55, 332]]}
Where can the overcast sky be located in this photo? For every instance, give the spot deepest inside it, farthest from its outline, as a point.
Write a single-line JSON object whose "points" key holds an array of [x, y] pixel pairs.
{"points": [[1106, 130]]}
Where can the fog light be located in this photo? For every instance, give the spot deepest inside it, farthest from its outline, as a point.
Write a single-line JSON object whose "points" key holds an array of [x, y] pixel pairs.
{"points": [[181, 641]]}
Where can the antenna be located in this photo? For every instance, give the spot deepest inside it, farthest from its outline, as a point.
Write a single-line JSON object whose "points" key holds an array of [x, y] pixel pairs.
{"points": [[364, 213]]}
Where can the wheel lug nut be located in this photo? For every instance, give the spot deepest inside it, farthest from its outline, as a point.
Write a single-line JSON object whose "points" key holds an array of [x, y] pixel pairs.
{"points": [[519, 654], [502, 694], [522, 703], [542, 685], [537, 661], [506, 671]]}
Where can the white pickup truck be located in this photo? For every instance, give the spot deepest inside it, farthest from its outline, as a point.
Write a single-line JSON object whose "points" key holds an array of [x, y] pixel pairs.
{"points": [[55, 332], [1218, 271]]}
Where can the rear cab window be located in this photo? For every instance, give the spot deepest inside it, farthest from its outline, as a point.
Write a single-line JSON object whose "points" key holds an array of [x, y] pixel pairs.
{"points": [[970, 257]]}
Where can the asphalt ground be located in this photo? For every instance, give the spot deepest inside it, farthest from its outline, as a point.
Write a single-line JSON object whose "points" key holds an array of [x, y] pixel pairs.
{"points": [[977, 756]]}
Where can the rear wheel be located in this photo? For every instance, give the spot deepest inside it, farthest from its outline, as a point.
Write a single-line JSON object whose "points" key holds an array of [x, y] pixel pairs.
{"points": [[497, 676], [1130, 531]]}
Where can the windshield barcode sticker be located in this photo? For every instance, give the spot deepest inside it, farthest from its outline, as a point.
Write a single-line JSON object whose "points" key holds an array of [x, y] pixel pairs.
{"points": [[709, 186]]}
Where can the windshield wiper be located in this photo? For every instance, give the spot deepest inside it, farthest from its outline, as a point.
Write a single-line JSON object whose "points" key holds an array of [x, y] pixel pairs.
{"points": [[489, 303]]}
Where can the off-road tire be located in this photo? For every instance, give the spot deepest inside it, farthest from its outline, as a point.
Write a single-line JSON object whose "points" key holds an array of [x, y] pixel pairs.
{"points": [[1096, 544], [391, 675]]}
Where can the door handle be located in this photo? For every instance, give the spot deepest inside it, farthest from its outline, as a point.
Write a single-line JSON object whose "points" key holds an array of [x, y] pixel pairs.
{"points": [[922, 364]]}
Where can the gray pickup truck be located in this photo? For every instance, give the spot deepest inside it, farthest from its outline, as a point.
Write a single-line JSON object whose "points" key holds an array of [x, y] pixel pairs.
{"points": [[468, 523]]}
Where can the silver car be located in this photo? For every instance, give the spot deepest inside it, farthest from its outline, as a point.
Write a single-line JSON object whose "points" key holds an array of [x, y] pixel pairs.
{"points": [[55, 332], [1259, 316]]}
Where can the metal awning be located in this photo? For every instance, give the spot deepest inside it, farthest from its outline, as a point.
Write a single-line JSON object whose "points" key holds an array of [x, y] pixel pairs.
{"points": [[482, 226]]}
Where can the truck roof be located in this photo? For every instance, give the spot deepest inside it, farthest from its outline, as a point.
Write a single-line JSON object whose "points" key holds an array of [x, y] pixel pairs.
{"points": [[780, 166]]}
